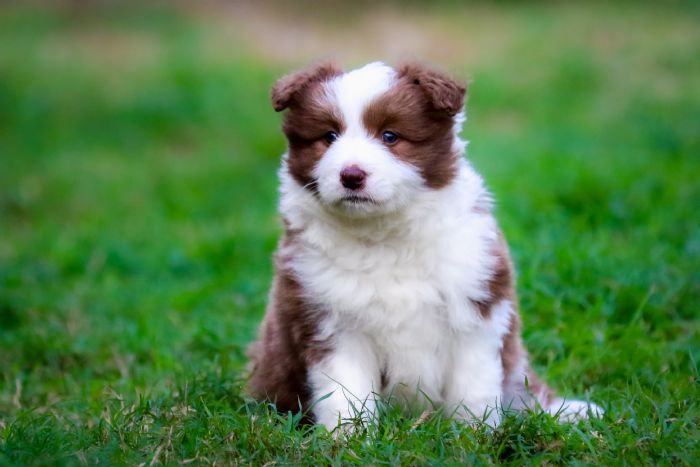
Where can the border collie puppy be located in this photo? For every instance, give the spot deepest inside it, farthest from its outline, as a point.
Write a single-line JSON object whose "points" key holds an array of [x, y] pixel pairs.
{"points": [[392, 277]]}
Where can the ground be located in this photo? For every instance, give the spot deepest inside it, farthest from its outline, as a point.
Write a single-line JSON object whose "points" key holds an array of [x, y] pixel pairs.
{"points": [[138, 152]]}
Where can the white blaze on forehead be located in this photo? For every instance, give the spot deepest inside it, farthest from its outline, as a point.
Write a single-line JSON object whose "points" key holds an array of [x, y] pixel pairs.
{"points": [[355, 89]]}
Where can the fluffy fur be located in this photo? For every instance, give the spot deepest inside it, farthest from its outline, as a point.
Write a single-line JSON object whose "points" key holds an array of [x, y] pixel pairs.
{"points": [[403, 285]]}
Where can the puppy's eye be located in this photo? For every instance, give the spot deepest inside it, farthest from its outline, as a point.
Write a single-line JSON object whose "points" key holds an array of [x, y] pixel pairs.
{"points": [[331, 137], [389, 137]]}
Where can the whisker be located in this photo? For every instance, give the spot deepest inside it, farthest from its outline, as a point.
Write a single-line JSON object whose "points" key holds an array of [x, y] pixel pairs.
{"points": [[312, 185]]}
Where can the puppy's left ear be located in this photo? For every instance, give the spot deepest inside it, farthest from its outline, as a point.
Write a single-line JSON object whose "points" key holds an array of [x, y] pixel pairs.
{"points": [[445, 93]]}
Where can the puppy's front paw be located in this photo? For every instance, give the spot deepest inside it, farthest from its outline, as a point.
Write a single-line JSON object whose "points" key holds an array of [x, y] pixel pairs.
{"points": [[345, 426]]}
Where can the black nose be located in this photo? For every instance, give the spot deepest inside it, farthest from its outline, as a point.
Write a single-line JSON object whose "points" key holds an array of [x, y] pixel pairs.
{"points": [[353, 177]]}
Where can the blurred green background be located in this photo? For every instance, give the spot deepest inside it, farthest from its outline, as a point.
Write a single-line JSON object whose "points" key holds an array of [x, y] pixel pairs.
{"points": [[138, 158]]}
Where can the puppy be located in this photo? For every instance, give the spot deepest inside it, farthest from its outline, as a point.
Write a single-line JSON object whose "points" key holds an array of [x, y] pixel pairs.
{"points": [[392, 276]]}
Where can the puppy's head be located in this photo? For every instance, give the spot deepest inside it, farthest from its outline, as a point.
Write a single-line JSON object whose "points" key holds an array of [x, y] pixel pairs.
{"points": [[365, 142]]}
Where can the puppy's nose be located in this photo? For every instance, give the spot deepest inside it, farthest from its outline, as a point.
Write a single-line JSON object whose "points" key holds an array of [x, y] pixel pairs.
{"points": [[353, 177]]}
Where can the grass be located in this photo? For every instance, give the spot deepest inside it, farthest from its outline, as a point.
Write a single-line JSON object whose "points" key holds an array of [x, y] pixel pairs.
{"points": [[138, 154]]}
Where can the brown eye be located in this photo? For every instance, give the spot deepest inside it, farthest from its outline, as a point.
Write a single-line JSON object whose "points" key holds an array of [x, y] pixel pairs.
{"points": [[389, 137], [330, 137]]}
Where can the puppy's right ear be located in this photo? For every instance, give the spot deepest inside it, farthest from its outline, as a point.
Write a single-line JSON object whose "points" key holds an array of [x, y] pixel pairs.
{"points": [[289, 87]]}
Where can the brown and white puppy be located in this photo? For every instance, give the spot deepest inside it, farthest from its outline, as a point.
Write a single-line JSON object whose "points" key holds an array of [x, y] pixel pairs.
{"points": [[392, 275]]}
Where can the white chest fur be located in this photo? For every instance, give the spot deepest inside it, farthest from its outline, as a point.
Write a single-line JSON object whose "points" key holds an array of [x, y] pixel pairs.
{"points": [[428, 271]]}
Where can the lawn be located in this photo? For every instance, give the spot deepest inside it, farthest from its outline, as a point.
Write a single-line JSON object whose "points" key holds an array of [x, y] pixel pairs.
{"points": [[138, 153]]}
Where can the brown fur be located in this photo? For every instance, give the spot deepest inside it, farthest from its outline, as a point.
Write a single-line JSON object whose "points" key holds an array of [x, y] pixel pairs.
{"points": [[310, 117], [513, 353], [419, 109], [501, 284], [446, 94], [287, 89], [287, 344]]}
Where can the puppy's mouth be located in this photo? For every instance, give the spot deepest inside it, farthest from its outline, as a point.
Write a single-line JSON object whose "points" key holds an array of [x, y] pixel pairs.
{"points": [[356, 200]]}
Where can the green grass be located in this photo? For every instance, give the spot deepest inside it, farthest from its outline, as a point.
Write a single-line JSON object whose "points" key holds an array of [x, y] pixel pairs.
{"points": [[138, 153]]}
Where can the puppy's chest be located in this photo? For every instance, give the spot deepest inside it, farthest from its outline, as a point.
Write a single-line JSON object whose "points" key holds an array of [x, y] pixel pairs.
{"points": [[396, 286]]}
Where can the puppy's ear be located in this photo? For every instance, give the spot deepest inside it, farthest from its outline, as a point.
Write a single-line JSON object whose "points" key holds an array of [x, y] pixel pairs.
{"points": [[445, 93], [288, 87]]}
